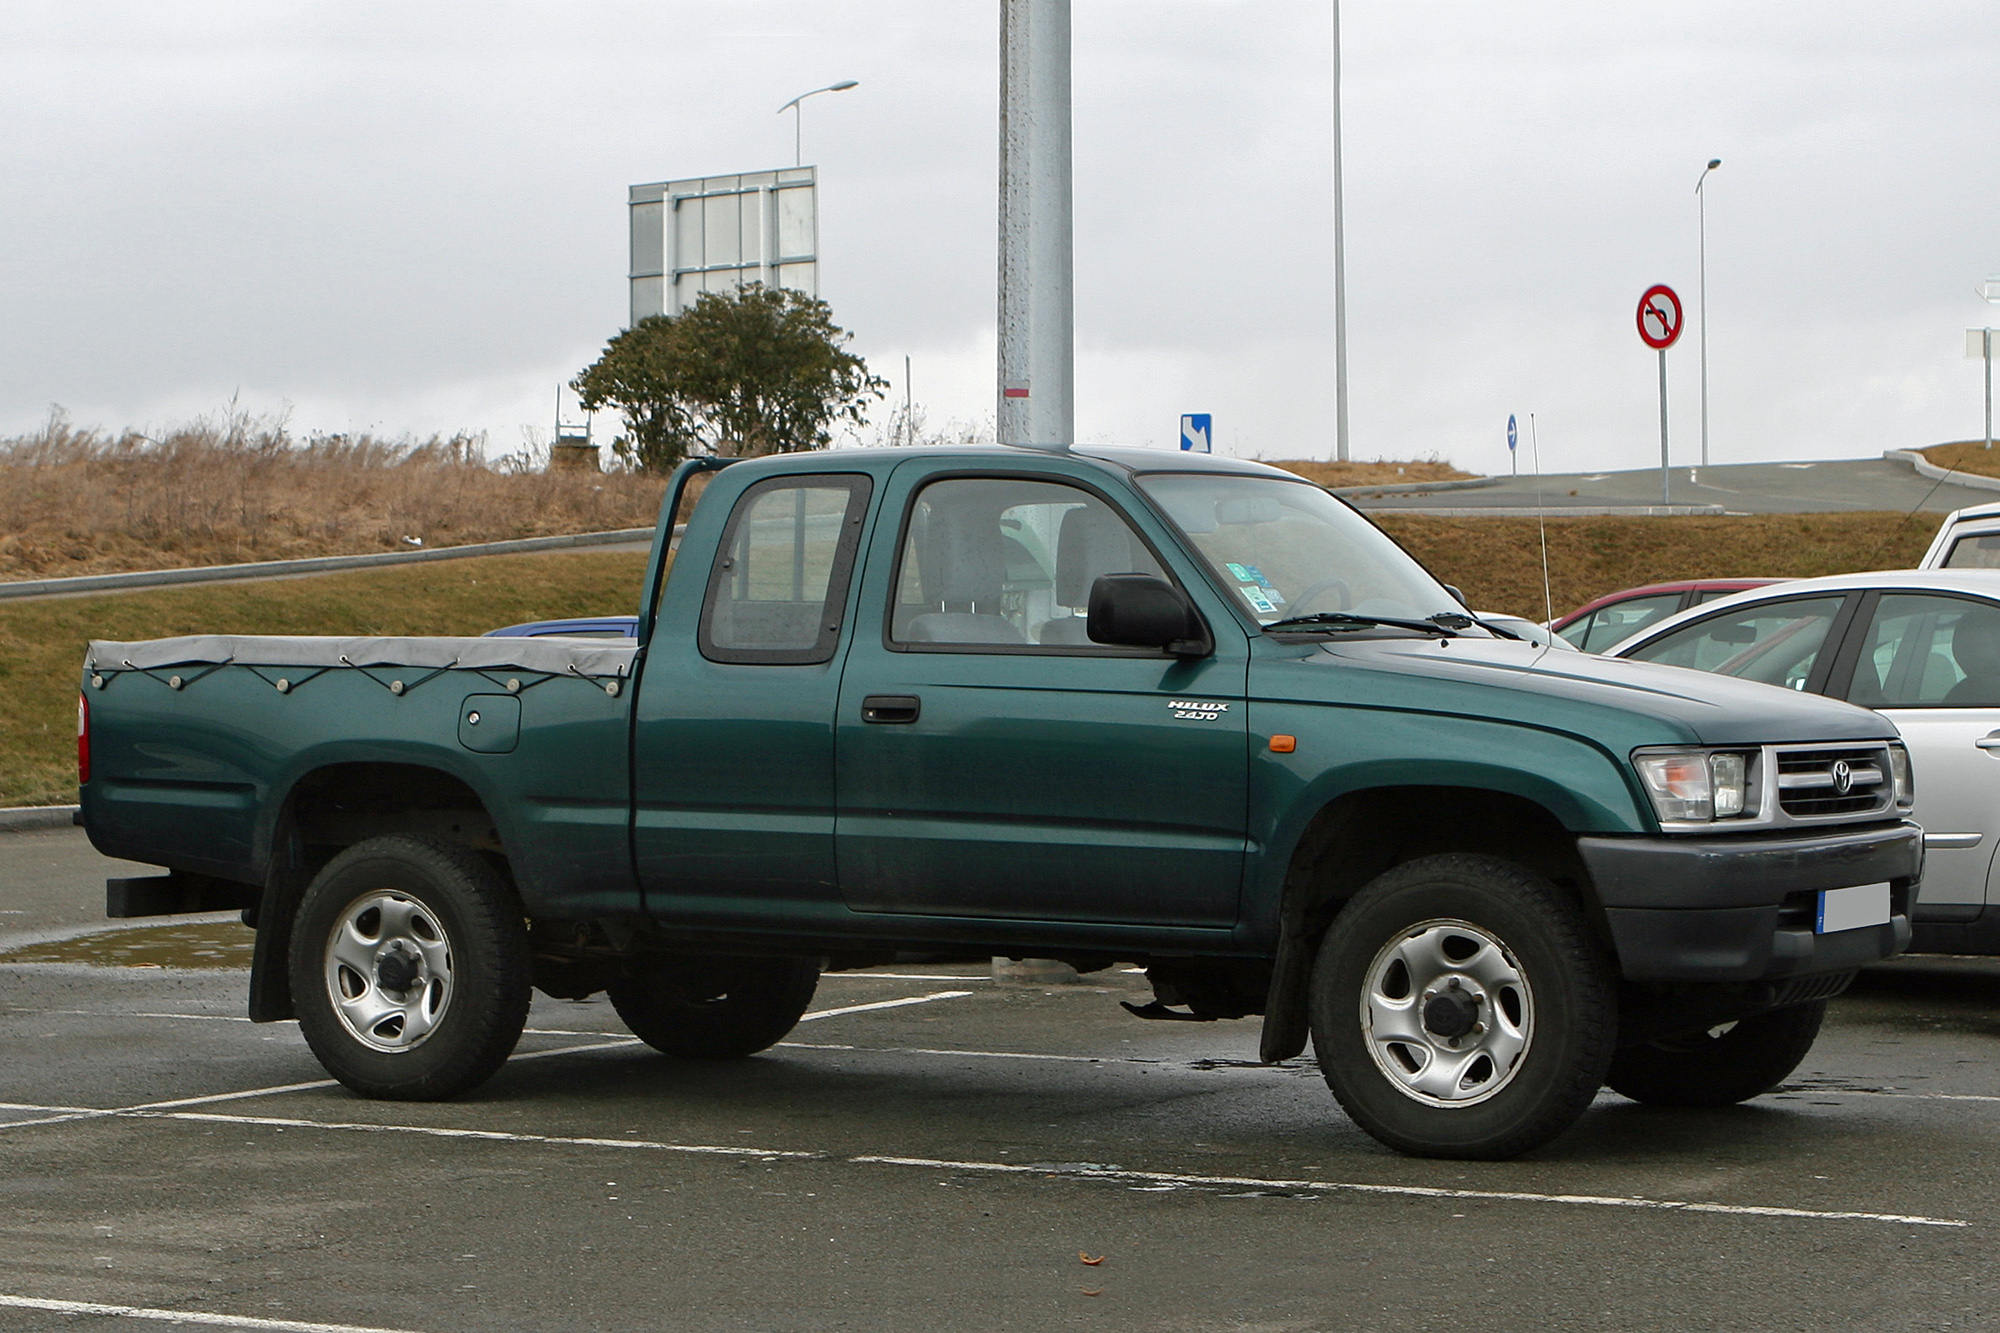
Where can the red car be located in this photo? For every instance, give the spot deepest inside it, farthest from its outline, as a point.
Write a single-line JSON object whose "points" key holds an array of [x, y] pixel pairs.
{"points": [[1597, 625]]}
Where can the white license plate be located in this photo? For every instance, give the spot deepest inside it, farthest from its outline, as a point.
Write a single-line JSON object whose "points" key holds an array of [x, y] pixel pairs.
{"points": [[1851, 909]]}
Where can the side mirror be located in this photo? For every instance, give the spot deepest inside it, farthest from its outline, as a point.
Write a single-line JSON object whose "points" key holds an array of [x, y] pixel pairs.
{"points": [[1457, 596], [1140, 611]]}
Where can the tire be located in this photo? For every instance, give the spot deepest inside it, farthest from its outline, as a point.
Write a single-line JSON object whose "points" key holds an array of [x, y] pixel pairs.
{"points": [[1730, 1063], [715, 1008], [1461, 1008], [410, 968]]}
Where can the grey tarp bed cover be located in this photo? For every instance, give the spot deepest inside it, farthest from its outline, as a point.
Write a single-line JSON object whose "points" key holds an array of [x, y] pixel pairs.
{"points": [[549, 654]]}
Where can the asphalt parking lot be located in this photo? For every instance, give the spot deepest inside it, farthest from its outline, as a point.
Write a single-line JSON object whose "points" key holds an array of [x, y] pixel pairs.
{"points": [[931, 1150]]}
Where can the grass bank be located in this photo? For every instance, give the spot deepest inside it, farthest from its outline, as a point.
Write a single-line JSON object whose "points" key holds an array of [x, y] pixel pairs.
{"points": [[1965, 456], [217, 493], [1495, 560], [42, 641]]}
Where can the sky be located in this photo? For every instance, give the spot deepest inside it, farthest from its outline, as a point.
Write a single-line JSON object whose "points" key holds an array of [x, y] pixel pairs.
{"points": [[410, 218]]}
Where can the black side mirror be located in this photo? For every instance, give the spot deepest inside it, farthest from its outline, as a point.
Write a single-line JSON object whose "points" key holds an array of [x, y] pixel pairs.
{"points": [[1457, 596], [1140, 611]]}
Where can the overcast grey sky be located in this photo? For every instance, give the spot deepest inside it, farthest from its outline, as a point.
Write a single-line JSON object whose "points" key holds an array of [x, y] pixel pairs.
{"points": [[410, 217]]}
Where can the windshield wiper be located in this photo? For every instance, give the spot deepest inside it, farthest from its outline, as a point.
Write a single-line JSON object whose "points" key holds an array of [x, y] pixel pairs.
{"points": [[1446, 624]]}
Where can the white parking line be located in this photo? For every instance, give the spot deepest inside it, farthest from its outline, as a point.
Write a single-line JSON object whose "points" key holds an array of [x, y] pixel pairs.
{"points": [[1057, 1170], [884, 1004], [1412, 1191], [205, 1317], [486, 1135]]}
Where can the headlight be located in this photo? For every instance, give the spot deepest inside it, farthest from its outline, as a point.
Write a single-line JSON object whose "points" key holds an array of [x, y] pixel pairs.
{"points": [[1695, 786], [1899, 773]]}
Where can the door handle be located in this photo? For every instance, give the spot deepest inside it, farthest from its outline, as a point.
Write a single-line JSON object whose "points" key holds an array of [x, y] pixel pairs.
{"points": [[1991, 742], [891, 708]]}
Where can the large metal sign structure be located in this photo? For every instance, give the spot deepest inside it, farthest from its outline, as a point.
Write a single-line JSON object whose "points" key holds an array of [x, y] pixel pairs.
{"points": [[716, 233]]}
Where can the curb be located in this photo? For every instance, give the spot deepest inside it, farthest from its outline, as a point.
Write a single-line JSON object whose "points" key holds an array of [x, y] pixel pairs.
{"points": [[1926, 468], [1414, 487], [16, 818], [1553, 511], [322, 564]]}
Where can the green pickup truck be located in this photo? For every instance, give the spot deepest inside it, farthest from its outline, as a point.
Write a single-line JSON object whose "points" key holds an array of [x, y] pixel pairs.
{"points": [[1103, 705]]}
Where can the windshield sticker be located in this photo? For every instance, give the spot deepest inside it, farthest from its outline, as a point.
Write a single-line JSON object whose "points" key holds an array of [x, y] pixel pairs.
{"points": [[1255, 596], [1242, 573]]}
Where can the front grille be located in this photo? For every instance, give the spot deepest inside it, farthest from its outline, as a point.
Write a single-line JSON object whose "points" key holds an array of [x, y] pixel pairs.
{"points": [[1810, 782]]}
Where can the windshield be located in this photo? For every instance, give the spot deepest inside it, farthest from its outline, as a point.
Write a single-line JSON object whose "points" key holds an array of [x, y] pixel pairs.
{"points": [[1288, 549]]}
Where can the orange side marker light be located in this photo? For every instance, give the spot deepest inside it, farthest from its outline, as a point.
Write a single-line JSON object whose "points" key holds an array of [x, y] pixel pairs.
{"points": [[1284, 744]]}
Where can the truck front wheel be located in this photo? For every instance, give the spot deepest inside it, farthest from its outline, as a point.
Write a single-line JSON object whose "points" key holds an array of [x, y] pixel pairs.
{"points": [[715, 1008], [410, 968], [1730, 1063], [1461, 1008]]}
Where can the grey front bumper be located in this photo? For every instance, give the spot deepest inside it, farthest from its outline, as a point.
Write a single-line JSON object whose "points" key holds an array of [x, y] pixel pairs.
{"points": [[1740, 909]]}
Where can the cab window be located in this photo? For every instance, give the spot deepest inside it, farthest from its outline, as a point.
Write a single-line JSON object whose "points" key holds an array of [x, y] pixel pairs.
{"points": [[1007, 562], [780, 576]]}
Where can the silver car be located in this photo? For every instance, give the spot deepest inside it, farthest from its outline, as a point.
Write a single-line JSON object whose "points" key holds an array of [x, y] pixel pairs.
{"points": [[1922, 647]]}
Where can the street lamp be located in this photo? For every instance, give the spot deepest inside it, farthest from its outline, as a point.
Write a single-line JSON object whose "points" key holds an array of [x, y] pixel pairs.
{"points": [[1339, 264], [798, 114], [1701, 209]]}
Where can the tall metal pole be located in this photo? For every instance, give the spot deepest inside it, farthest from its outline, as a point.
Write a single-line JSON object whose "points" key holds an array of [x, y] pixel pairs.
{"points": [[1037, 389], [1339, 263], [1987, 345], [1701, 209], [1666, 482]]}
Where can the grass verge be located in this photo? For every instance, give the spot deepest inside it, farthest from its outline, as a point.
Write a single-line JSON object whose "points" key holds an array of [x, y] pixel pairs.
{"points": [[1497, 561], [1966, 456], [42, 641]]}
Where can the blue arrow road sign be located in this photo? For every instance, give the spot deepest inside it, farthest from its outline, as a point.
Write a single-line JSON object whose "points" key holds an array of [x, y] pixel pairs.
{"points": [[1513, 436], [1198, 433]]}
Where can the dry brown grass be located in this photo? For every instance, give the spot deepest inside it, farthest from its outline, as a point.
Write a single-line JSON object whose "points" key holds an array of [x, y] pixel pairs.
{"points": [[1497, 561], [1337, 475], [84, 502], [1966, 456]]}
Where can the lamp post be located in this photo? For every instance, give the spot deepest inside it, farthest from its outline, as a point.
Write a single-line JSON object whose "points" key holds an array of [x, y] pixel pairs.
{"points": [[798, 114], [1989, 291], [1339, 264], [1701, 211]]}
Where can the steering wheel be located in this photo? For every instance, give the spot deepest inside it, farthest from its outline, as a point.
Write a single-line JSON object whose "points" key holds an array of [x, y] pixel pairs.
{"points": [[1304, 599]]}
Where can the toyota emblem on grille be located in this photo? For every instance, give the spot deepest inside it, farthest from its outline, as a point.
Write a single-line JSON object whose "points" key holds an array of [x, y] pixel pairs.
{"points": [[1843, 777]]}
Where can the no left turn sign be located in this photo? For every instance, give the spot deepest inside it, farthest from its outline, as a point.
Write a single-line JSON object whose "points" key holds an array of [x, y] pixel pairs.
{"points": [[1660, 317]]}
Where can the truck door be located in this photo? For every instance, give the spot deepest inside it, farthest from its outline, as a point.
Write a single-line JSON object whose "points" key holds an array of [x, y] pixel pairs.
{"points": [[733, 726], [993, 761]]}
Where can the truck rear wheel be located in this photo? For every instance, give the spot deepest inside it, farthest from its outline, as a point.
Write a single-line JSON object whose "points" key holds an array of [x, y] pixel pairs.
{"points": [[1729, 1063], [715, 1008], [409, 968], [1460, 1008]]}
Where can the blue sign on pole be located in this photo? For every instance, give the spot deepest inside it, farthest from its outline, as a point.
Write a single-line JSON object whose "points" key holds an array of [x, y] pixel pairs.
{"points": [[1513, 436], [1198, 433]]}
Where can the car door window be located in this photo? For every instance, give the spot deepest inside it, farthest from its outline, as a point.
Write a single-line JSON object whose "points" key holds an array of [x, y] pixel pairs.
{"points": [[780, 576], [1577, 630], [1007, 562], [1622, 620], [1924, 651], [1778, 643], [1977, 552]]}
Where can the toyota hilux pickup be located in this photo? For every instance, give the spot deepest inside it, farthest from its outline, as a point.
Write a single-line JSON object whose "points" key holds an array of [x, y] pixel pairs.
{"points": [[1110, 705]]}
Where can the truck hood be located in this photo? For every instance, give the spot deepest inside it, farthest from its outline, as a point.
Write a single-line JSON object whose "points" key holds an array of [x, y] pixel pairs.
{"points": [[1613, 700]]}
